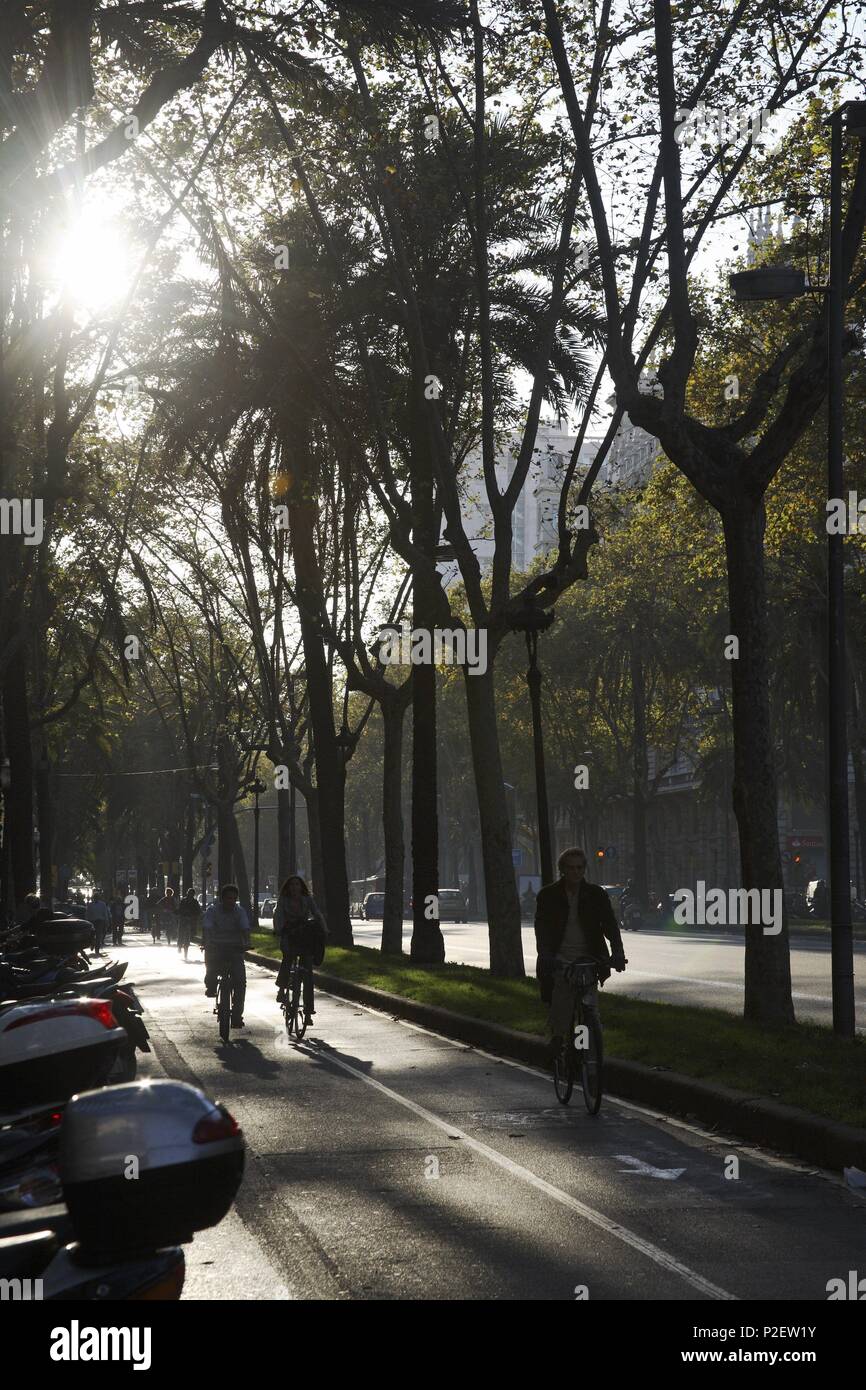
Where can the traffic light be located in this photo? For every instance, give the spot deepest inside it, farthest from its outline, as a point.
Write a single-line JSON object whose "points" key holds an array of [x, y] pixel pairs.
{"points": [[599, 853], [796, 858]]}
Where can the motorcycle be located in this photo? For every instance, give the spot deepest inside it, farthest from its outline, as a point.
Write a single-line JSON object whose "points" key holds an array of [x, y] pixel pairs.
{"points": [[631, 916], [115, 1239]]}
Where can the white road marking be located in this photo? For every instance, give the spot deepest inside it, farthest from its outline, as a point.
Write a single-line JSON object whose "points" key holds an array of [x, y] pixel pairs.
{"points": [[596, 1218], [716, 984], [645, 1170]]}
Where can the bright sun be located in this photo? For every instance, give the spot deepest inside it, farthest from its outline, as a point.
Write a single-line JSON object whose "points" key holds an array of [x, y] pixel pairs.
{"points": [[95, 265]]}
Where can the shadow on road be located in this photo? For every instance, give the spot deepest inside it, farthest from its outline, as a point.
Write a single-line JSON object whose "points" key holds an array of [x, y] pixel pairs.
{"points": [[242, 1056]]}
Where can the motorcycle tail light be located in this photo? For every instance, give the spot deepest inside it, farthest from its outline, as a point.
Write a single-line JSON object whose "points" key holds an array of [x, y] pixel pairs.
{"points": [[99, 1009], [219, 1125]]}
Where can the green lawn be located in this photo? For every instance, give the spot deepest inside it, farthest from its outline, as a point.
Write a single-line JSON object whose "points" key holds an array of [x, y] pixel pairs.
{"points": [[805, 1066]]}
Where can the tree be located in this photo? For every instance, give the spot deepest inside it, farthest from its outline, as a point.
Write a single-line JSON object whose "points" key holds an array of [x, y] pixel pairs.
{"points": [[677, 67]]}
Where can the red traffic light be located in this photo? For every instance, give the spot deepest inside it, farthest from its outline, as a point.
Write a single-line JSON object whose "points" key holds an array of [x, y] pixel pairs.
{"points": [[599, 854]]}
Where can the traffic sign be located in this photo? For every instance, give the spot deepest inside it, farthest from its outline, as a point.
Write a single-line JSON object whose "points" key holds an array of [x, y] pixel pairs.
{"points": [[516, 857]]}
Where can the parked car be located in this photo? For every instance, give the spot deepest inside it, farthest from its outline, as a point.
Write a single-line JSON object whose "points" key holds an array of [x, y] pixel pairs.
{"points": [[266, 914], [374, 907], [452, 906]]}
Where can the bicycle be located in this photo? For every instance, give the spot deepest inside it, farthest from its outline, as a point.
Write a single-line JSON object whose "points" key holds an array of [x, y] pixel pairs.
{"points": [[583, 1038], [224, 1002], [294, 1010]]}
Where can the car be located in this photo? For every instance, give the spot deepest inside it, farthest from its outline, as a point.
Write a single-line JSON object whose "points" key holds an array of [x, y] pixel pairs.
{"points": [[614, 892], [266, 914], [452, 906], [374, 907]]}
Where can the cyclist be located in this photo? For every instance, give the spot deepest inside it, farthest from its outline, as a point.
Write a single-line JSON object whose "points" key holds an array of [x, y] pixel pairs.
{"points": [[226, 932], [573, 919], [295, 909]]}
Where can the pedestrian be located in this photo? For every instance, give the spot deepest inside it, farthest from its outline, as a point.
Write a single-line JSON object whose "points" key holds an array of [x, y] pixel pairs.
{"points": [[188, 915], [117, 907], [574, 920], [226, 936], [98, 913], [154, 898], [167, 909]]}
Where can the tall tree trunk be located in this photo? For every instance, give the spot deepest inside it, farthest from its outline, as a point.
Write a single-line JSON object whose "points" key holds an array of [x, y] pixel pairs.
{"points": [[503, 903], [239, 865], [317, 865], [768, 963], [45, 803], [428, 945], [855, 742], [225, 814], [330, 770], [284, 836], [640, 771], [393, 712], [19, 797]]}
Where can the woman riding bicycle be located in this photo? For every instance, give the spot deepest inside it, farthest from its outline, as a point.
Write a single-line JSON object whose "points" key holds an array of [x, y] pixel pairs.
{"points": [[301, 929]]}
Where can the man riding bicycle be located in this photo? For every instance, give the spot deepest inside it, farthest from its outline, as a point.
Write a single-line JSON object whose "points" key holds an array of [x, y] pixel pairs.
{"points": [[573, 920], [226, 932]]}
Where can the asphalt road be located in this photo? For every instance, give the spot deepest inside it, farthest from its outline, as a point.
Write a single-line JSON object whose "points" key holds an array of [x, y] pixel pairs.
{"points": [[388, 1163], [686, 966]]}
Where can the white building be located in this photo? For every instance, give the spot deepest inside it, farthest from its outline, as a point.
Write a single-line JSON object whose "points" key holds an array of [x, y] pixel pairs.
{"points": [[534, 520]]}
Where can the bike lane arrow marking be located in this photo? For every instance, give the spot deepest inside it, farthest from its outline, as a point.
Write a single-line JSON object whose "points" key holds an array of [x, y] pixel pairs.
{"points": [[646, 1170]]}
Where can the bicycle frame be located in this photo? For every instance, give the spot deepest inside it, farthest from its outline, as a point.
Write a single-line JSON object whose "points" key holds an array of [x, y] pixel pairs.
{"points": [[294, 1009], [584, 1016]]}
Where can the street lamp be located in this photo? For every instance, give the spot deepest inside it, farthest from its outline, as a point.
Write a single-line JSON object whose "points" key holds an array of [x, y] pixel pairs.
{"points": [[784, 282], [531, 621], [257, 787]]}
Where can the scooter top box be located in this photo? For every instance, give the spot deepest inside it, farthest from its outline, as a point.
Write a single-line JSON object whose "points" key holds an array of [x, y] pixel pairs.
{"points": [[161, 1122], [51, 1048], [64, 934], [147, 1164]]}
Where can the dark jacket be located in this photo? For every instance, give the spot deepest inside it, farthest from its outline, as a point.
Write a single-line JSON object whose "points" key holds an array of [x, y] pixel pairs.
{"points": [[551, 917]]}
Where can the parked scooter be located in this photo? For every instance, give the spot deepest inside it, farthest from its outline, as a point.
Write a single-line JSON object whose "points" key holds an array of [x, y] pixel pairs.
{"points": [[188, 1155], [29, 1159], [52, 1048]]}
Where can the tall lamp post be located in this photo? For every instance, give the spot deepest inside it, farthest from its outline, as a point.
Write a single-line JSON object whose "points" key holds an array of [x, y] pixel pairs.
{"points": [[257, 787], [531, 622], [785, 282]]}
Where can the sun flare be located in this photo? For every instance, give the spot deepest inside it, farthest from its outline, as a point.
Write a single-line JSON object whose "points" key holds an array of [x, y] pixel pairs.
{"points": [[95, 264]]}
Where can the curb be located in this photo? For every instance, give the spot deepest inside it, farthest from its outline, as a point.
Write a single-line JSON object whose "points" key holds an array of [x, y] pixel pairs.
{"points": [[826, 1143]]}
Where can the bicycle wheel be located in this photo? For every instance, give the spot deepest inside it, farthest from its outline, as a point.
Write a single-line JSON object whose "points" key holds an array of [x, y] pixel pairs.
{"points": [[563, 1073], [297, 1006], [288, 1016], [224, 1007], [591, 1061]]}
